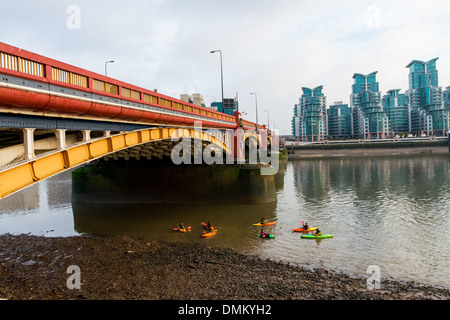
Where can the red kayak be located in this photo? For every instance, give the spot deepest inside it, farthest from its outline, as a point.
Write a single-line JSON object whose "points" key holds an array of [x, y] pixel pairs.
{"points": [[303, 230]]}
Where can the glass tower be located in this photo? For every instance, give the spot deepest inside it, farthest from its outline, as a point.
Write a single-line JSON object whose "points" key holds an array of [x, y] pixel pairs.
{"points": [[310, 116], [296, 121], [396, 106], [369, 120], [339, 121], [429, 115], [447, 97]]}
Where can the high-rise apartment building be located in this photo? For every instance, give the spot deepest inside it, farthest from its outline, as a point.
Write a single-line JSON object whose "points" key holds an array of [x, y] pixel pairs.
{"points": [[369, 121], [310, 115], [339, 118], [295, 124], [423, 109], [397, 109], [429, 115], [447, 97]]}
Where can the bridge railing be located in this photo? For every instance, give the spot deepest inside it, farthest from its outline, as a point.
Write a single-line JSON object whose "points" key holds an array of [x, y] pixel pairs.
{"points": [[25, 64], [19, 64]]}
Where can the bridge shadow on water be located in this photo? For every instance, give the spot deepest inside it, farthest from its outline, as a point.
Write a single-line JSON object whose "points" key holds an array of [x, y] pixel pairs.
{"points": [[147, 201]]}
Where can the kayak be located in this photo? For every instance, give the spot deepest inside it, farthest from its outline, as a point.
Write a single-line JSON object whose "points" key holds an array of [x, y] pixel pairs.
{"points": [[265, 224], [270, 236], [303, 230], [312, 236], [182, 230], [209, 234]]}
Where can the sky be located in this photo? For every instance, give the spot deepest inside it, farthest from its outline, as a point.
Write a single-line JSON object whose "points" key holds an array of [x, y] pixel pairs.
{"points": [[271, 48]]}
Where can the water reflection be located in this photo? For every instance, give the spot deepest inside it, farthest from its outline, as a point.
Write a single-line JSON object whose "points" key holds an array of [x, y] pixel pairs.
{"points": [[41, 209], [391, 211]]}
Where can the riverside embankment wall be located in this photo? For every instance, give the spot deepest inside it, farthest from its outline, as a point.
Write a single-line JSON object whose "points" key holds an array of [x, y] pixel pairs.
{"points": [[366, 151]]}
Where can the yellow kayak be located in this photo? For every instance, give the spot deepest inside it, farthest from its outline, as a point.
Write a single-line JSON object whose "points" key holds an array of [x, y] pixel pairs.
{"points": [[265, 224], [209, 234]]}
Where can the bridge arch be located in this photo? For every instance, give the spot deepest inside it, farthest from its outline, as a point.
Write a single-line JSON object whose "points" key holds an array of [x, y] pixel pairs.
{"points": [[42, 167], [262, 140]]}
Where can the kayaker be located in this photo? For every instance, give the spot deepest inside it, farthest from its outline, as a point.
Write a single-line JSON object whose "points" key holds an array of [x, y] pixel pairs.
{"points": [[317, 232], [209, 226], [263, 234], [263, 221], [181, 226], [305, 226]]}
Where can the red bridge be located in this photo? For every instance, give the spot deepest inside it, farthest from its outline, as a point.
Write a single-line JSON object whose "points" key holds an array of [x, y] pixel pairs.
{"points": [[54, 116]]}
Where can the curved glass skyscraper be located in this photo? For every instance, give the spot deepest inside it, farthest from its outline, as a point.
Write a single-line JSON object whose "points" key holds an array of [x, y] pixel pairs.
{"points": [[369, 120], [310, 115], [429, 114]]}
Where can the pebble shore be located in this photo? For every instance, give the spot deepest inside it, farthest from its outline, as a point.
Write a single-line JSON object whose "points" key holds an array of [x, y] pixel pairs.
{"points": [[124, 268]]}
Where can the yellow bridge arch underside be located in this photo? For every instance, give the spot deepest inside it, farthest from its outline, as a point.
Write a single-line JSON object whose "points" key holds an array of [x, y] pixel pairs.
{"points": [[45, 166], [250, 133]]}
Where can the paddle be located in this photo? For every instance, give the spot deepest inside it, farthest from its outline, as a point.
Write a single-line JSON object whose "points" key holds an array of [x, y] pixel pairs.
{"points": [[187, 229], [303, 225]]}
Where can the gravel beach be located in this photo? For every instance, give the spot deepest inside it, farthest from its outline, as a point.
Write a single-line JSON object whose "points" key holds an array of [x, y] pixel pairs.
{"points": [[124, 268]]}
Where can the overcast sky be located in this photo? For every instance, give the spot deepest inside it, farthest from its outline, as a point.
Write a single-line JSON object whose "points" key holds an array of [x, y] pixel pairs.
{"points": [[272, 48]]}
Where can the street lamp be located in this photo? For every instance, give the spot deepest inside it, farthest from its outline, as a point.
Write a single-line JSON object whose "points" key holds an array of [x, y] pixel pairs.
{"points": [[267, 119], [106, 71], [256, 103], [221, 72]]}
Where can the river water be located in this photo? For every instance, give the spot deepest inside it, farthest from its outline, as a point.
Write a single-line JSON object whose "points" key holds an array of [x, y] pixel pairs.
{"points": [[389, 212]]}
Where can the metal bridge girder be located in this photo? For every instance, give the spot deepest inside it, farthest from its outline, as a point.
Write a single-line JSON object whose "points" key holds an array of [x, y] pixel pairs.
{"points": [[40, 167]]}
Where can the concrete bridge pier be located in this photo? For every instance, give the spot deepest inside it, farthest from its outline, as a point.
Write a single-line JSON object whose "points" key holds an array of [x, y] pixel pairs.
{"points": [[28, 143], [144, 181]]}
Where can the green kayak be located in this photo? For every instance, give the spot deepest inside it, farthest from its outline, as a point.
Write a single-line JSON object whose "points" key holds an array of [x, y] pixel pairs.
{"points": [[267, 236], [312, 236]]}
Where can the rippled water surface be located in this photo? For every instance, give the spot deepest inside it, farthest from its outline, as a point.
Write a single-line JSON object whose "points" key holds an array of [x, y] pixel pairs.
{"points": [[392, 212]]}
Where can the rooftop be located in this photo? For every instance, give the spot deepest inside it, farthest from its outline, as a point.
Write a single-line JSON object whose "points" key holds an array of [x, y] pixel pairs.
{"points": [[420, 62]]}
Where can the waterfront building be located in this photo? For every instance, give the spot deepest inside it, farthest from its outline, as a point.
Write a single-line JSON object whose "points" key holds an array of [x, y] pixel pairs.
{"points": [[195, 98], [228, 107], [429, 115], [186, 97], [369, 121], [295, 123], [310, 117], [397, 109], [447, 97], [339, 120]]}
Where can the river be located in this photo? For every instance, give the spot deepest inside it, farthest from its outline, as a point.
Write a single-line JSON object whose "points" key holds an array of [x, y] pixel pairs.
{"points": [[389, 212]]}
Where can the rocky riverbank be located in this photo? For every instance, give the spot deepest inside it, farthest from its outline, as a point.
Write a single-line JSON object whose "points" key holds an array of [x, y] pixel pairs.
{"points": [[114, 268]]}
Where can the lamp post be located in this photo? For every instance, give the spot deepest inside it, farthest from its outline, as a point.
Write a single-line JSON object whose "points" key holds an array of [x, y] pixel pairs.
{"points": [[256, 103], [221, 72], [106, 71]]}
